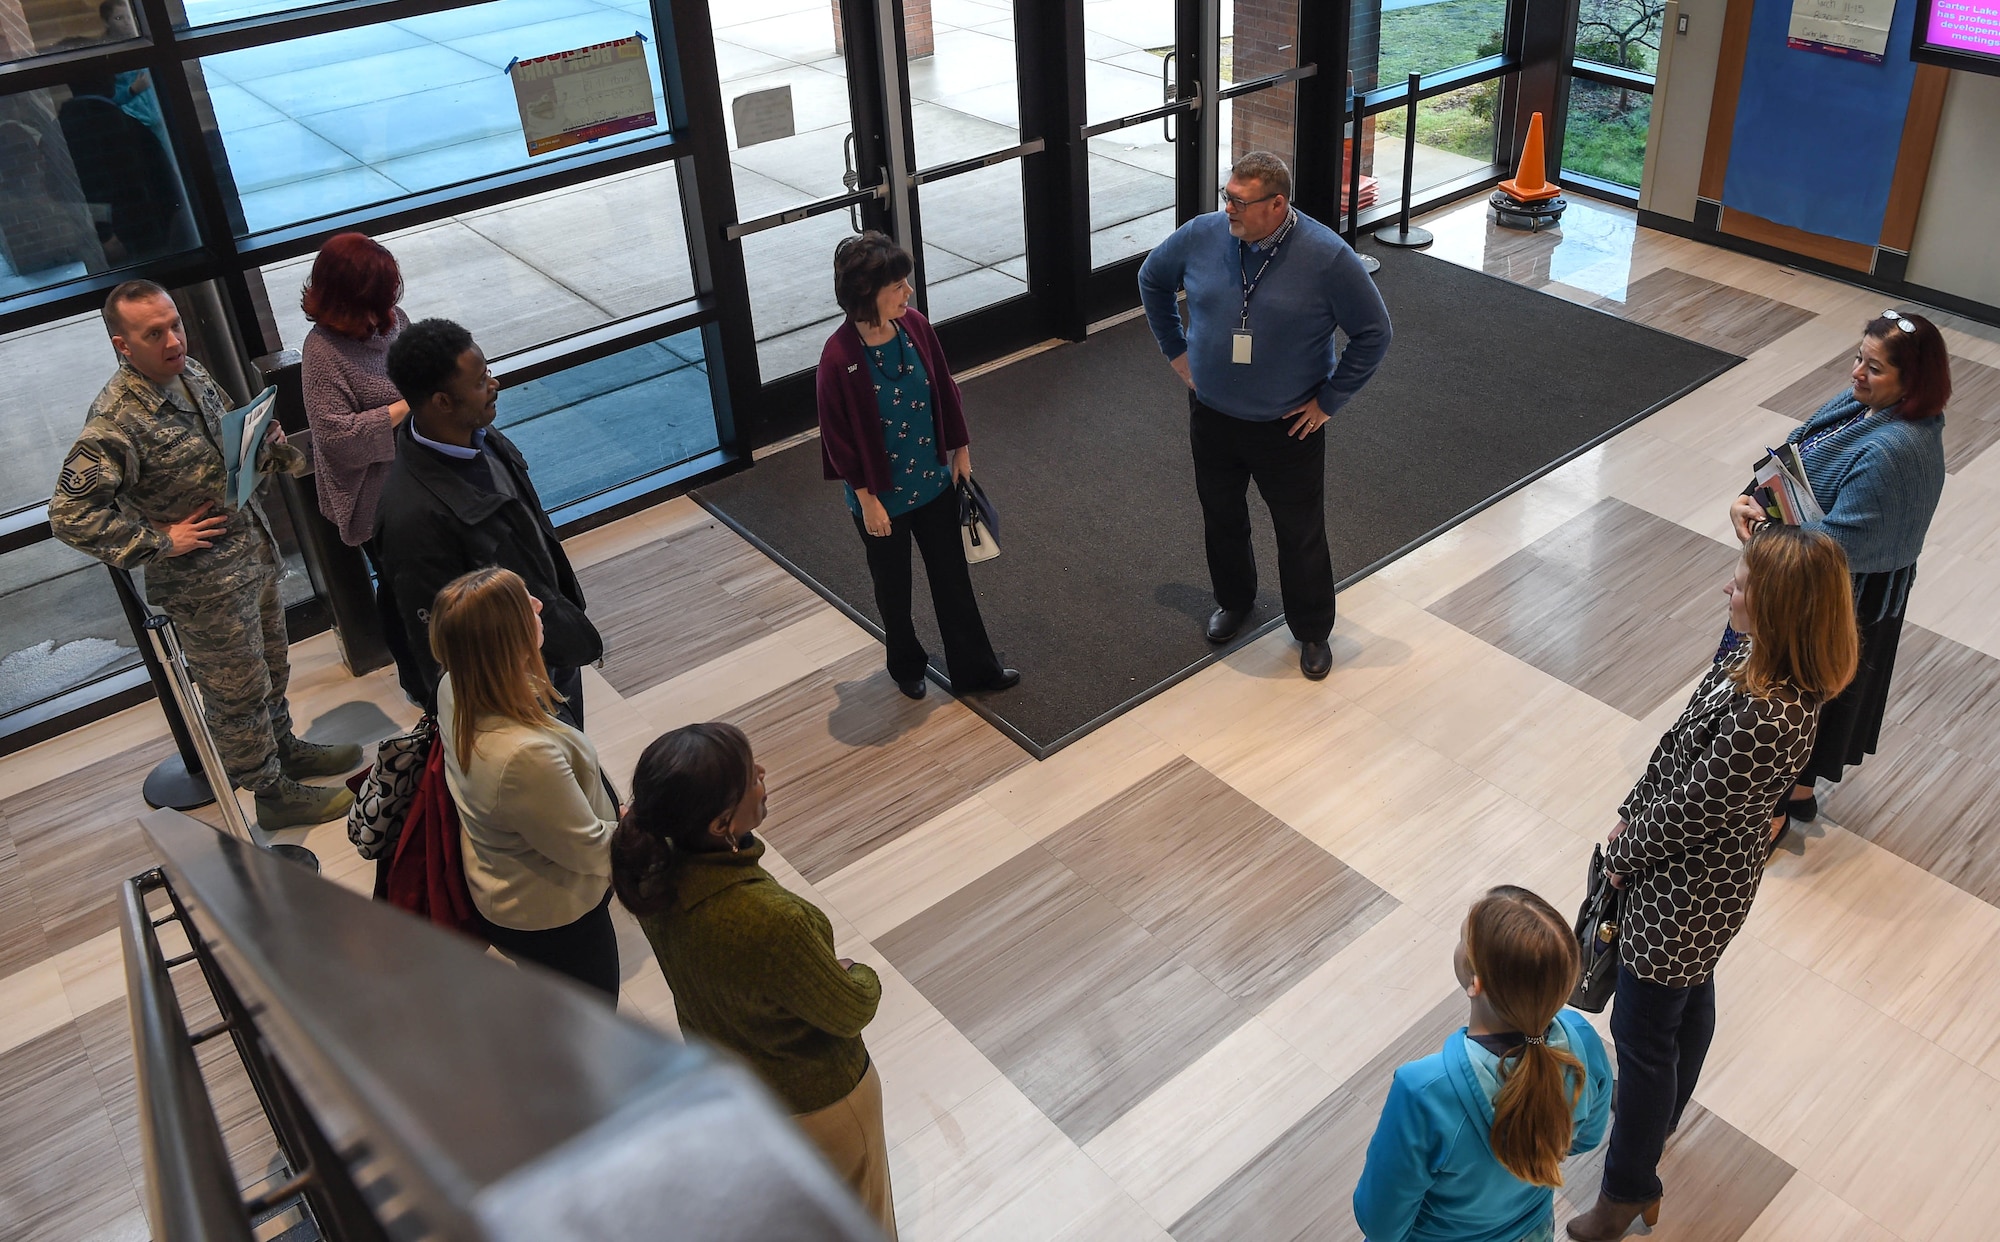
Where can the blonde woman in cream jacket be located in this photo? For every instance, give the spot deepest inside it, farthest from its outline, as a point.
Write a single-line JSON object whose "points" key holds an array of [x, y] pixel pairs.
{"points": [[535, 815]]}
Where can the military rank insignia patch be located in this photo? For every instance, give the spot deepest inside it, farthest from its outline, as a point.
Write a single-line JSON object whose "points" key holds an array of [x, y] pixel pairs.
{"points": [[81, 471]]}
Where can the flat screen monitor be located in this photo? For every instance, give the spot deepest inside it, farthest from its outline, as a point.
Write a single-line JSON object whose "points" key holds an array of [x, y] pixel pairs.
{"points": [[1958, 34]]}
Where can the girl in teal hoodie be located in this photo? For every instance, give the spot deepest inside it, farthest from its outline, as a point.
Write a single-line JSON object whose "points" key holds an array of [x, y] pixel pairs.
{"points": [[1472, 1139]]}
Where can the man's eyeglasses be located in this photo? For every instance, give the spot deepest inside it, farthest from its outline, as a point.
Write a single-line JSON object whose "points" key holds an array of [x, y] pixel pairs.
{"points": [[1896, 317], [1241, 204]]}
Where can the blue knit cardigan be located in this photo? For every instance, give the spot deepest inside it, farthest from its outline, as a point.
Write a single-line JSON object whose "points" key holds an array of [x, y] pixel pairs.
{"points": [[1878, 479]]}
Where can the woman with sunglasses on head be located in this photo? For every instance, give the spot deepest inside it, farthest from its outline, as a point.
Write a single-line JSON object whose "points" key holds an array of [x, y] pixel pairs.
{"points": [[750, 963], [1472, 1138], [1874, 456], [1690, 842], [892, 429]]}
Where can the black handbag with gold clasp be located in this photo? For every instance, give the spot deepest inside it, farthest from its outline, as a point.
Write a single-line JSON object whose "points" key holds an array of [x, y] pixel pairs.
{"points": [[1597, 939]]}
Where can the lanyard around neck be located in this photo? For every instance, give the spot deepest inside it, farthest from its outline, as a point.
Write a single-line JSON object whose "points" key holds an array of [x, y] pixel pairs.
{"points": [[1250, 282]]}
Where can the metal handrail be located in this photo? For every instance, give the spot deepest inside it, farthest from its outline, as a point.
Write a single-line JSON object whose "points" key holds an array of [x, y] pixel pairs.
{"points": [[487, 1103], [191, 1193]]}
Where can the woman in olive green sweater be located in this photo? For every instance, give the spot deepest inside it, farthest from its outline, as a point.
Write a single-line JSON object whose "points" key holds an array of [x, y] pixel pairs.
{"points": [[751, 964]]}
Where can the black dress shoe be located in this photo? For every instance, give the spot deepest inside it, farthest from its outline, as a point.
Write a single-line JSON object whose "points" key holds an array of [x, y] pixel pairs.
{"points": [[1805, 810], [1315, 660], [1007, 680], [914, 689], [1224, 623]]}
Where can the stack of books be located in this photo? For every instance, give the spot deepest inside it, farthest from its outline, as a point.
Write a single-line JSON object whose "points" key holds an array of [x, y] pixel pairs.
{"points": [[1782, 488]]}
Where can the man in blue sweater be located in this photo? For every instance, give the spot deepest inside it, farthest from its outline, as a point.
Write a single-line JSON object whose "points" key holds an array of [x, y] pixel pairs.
{"points": [[1266, 287]]}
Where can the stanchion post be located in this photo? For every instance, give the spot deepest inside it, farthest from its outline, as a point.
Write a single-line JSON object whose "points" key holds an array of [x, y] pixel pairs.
{"points": [[178, 782], [187, 696], [1401, 233], [1368, 261]]}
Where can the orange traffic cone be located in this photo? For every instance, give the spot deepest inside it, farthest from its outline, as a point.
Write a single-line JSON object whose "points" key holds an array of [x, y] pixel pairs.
{"points": [[1528, 184]]}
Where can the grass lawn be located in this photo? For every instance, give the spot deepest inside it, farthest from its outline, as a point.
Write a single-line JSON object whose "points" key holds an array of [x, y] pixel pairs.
{"points": [[1437, 36]]}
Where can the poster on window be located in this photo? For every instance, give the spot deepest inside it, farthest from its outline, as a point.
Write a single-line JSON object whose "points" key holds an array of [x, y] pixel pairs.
{"points": [[1855, 29], [580, 96]]}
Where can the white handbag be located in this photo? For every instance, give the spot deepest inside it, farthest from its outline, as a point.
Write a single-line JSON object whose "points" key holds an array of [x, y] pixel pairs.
{"points": [[977, 523]]}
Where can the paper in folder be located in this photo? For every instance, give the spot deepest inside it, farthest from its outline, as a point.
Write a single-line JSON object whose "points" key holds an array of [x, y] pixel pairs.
{"points": [[1783, 490], [242, 437]]}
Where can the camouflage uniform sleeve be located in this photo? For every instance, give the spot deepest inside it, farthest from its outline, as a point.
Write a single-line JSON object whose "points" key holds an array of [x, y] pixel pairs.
{"points": [[84, 512], [283, 459]]}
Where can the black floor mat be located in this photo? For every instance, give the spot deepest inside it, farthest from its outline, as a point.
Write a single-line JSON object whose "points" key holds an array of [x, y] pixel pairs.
{"points": [[1101, 590]]}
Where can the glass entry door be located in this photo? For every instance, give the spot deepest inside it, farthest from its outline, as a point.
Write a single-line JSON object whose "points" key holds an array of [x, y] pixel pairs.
{"points": [[837, 121]]}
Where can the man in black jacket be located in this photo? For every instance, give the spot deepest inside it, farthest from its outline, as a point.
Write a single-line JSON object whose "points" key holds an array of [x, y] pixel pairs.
{"points": [[458, 499]]}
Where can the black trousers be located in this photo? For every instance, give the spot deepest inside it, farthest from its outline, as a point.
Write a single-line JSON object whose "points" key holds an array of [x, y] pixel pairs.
{"points": [[394, 635], [586, 950], [1662, 1035], [1291, 476], [968, 653], [569, 683]]}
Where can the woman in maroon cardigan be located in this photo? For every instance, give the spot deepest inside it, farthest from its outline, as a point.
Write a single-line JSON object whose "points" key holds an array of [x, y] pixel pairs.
{"points": [[892, 429]]}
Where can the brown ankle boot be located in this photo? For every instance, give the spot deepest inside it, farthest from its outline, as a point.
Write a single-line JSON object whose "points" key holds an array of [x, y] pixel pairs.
{"points": [[1608, 1220]]}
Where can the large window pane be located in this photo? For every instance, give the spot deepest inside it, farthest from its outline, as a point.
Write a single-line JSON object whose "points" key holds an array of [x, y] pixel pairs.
{"points": [[975, 253], [1623, 33], [1455, 136], [87, 182], [1128, 48], [1263, 120], [604, 423], [1606, 136], [356, 117], [778, 59], [1131, 190], [60, 625], [57, 370], [530, 271], [35, 29], [1395, 38], [790, 273], [964, 88]]}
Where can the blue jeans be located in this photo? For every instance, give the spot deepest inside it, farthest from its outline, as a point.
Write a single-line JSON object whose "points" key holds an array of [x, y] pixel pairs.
{"points": [[1662, 1035]]}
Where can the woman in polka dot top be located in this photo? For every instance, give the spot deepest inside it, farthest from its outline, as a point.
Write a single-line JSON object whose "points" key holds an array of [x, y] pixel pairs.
{"points": [[1692, 837]]}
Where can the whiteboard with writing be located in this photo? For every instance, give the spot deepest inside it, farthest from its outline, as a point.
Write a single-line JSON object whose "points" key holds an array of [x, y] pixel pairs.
{"points": [[580, 96], [1856, 29]]}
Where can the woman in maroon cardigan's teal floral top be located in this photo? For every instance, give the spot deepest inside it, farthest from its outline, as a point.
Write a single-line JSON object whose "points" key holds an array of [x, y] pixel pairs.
{"points": [[892, 429]]}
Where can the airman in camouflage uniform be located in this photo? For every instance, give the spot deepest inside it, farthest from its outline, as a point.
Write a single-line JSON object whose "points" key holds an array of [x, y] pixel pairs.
{"points": [[145, 486]]}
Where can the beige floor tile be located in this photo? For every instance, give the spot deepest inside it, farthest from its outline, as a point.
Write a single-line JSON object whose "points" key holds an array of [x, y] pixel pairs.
{"points": [[59, 756], [710, 691], [1806, 1211], [1446, 563], [828, 636], [93, 973], [1042, 798], [995, 1168], [1445, 856], [1351, 1008], [662, 521], [928, 1066], [893, 884], [1958, 598], [1191, 1134], [1909, 944], [1900, 1131], [32, 1003], [1560, 751]]}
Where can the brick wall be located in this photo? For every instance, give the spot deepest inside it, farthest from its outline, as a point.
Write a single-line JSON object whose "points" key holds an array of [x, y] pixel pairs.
{"points": [[1265, 42], [918, 34]]}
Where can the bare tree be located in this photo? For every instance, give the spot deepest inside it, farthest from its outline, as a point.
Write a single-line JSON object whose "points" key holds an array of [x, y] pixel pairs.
{"points": [[1621, 33]]}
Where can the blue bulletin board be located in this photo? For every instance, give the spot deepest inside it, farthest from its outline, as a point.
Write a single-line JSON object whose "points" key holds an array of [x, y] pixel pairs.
{"points": [[1816, 137]]}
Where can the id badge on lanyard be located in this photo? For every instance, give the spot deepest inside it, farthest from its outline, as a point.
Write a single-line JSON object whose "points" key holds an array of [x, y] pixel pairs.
{"points": [[1240, 340]]}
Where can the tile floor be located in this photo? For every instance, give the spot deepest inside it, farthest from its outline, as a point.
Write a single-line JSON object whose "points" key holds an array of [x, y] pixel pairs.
{"points": [[1154, 987]]}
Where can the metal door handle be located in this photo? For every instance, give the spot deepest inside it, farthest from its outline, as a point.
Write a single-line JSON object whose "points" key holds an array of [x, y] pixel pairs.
{"points": [[1167, 94], [851, 179]]}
